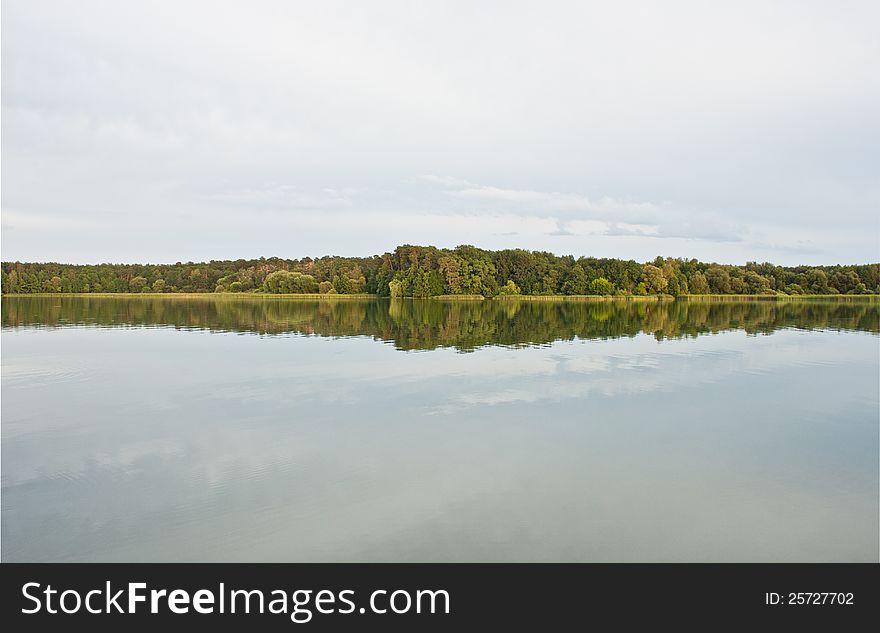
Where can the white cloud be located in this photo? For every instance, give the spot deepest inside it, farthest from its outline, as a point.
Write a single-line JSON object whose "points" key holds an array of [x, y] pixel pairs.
{"points": [[687, 129]]}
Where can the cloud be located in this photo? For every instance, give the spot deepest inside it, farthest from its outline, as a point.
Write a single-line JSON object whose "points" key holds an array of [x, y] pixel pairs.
{"points": [[287, 197], [164, 131], [624, 228], [560, 231], [604, 216]]}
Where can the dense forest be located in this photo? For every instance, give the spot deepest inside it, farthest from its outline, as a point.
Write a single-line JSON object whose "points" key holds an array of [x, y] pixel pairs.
{"points": [[426, 271]]}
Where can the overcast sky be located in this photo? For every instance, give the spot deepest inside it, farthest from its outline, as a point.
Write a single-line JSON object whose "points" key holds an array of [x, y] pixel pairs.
{"points": [[175, 131]]}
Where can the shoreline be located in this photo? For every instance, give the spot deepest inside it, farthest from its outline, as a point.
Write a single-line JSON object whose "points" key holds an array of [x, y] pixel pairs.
{"points": [[365, 296]]}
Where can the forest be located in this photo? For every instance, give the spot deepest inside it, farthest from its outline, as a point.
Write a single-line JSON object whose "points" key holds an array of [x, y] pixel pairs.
{"points": [[428, 271]]}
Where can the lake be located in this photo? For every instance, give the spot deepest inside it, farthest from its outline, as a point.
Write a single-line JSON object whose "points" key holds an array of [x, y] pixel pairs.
{"points": [[277, 429]]}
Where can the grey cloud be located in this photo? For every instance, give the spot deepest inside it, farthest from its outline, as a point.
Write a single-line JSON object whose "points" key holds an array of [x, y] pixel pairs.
{"points": [[152, 130], [623, 218], [560, 231]]}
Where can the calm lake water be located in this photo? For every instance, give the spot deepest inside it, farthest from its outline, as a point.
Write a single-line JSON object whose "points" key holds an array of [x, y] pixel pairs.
{"points": [[267, 429]]}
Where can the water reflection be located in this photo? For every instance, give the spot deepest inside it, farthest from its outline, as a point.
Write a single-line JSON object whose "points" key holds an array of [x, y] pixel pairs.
{"points": [[430, 324], [568, 434]]}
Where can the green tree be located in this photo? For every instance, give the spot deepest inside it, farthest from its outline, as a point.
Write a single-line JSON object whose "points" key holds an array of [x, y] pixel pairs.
{"points": [[756, 284], [137, 284], [817, 281], [601, 286], [575, 281], [510, 288], [654, 279], [427, 271], [342, 284], [698, 284], [718, 279], [276, 282], [451, 268], [396, 288]]}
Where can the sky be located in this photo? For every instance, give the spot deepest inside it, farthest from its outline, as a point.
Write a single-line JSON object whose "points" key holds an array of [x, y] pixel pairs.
{"points": [[189, 131]]}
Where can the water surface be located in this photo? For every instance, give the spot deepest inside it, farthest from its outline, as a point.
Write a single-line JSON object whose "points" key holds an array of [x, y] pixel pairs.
{"points": [[265, 429]]}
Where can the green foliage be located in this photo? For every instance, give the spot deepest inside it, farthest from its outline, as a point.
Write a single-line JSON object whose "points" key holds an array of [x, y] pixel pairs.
{"points": [[654, 279], [396, 287], [284, 282], [699, 285], [341, 284], [509, 288], [135, 284], [817, 281], [601, 286], [575, 281], [718, 279], [426, 271]]}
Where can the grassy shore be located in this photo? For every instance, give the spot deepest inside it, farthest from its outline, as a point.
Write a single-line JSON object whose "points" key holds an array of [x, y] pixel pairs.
{"points": [[345, 297], [854, 298], [458, 297], [585, 298], [195, 295]]}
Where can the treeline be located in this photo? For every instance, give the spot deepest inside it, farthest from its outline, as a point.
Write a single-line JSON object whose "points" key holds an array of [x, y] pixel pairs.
{"points": [[426, 271], [464, 325]]}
